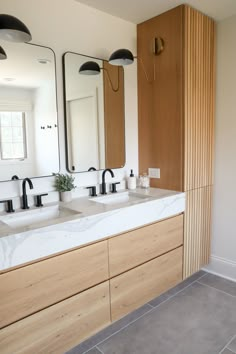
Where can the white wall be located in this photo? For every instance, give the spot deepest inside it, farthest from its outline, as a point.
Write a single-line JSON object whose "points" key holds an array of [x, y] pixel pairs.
{"points": [[224, 205], [66, 25]]}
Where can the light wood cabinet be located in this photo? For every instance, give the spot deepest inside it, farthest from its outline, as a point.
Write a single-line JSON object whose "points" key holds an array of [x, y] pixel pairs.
{"points": [[141, 284], [130, 249], [50, 306], [160, 100], [34, 287], [59, 327], [176, 98]]}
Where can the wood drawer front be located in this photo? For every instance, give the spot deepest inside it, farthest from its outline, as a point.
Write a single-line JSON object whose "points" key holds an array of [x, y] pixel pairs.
{"points": [[136, 247], [134, 288], [29, 289], [61, 326]]}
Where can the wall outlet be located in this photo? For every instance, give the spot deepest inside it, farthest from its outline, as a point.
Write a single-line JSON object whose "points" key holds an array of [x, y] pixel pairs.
{"points": [[154, 172]]}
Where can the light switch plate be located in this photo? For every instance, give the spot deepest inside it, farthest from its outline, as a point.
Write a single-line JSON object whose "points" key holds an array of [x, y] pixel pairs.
{"points": [[154, 172]]}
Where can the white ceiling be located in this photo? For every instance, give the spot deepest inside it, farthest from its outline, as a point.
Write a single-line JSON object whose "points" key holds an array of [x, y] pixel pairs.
{"points": [[137, 11], [23, 67]]}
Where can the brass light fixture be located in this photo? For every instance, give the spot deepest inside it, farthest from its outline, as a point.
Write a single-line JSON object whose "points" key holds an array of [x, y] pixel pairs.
{"points": [[122, 57], [158, 45], [125, 57], [2, 54]]}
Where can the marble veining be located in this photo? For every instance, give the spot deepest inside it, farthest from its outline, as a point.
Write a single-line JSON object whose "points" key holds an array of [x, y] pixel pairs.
{"points": [[96, 221]]}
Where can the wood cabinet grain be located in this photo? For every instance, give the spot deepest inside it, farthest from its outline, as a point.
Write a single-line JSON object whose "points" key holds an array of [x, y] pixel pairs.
{"points": [[60, 327], [133, 248], [176, 113], [32, 288], [134, 288]]}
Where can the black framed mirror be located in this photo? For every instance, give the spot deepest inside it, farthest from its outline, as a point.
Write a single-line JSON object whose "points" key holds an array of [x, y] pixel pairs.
{"points": [[94, 115], [28, 112]]}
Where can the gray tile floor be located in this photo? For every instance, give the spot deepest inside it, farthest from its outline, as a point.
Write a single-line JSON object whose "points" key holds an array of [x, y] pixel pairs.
{"points": [[198, 316]]}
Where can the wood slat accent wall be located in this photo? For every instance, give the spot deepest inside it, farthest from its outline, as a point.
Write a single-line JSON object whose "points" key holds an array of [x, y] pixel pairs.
{"points": [[199, 93], [197, 230]]}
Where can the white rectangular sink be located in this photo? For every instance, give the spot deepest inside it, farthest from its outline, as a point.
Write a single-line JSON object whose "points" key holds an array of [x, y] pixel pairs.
{"points": [[40, 216], [121, 198]]}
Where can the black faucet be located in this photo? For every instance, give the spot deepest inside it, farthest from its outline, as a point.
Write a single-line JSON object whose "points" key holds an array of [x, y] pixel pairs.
{"points": [[14, 178], [103, 187], [92, 169], [24, 195]]}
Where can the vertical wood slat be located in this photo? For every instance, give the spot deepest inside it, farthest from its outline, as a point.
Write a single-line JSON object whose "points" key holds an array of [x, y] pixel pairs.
{"points": [[199, 91], [199, 102], [197, 229]]}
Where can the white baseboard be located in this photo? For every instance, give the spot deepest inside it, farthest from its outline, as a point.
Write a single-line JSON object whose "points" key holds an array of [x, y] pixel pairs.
{"points": [[222, 267]]}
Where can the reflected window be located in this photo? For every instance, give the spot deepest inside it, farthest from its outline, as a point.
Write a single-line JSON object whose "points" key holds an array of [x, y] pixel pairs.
{"points": [[12, 136]]}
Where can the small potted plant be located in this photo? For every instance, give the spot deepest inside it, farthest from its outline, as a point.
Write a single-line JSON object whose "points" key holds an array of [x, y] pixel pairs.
{"points": [[64, 183]]}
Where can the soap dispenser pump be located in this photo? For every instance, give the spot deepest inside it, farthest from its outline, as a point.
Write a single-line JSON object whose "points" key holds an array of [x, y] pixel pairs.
{"points": [[131, 181]]}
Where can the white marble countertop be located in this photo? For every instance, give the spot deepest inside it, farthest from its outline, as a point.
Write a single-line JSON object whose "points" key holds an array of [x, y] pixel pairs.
{"points": [[90, 221]]}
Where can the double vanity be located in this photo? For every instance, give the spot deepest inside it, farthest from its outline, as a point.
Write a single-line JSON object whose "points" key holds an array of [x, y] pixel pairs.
{"points": [[81, 265], [68, 270]]}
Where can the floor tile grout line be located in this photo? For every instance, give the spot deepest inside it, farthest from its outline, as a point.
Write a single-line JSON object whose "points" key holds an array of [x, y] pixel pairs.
{"points": [[151, 309], [170, 297], [226, 346], [100, 351], [212, 287], [144, 314], [231, 342], [228, 350]]}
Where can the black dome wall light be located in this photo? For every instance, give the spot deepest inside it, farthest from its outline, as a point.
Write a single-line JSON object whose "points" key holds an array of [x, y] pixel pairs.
{"points": [[13, 30], [125, 57], [121, 57], [92, 68]]}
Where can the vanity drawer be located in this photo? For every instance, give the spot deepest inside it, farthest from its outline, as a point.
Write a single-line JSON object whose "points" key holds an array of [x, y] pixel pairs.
{"points": [[133, 248], [134, 288], [32, 288], [60, 327]]}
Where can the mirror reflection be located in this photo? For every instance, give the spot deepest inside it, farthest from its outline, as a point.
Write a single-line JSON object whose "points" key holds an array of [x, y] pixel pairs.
{"points": [[28, 112], [94, 115]]}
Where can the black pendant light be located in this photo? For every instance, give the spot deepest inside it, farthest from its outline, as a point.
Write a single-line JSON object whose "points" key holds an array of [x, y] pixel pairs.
{"points": [[2, 54], [13, 30], [90, 68], [121, 57]]}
